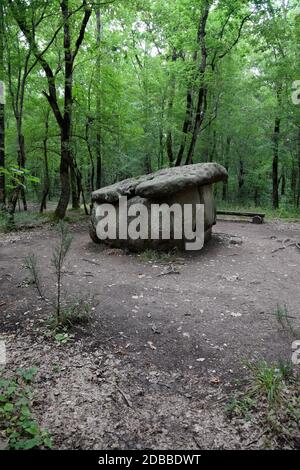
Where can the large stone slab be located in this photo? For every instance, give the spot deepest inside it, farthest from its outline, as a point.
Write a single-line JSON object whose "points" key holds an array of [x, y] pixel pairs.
{"points": [[163, 183], [191, 184]]}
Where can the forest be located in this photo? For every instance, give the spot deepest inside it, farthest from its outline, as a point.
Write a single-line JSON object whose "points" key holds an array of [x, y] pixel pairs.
{"points": [[98, 92]]}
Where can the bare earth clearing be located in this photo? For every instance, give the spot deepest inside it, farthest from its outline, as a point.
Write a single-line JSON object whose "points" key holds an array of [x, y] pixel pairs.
{"points": [[162, 354]]}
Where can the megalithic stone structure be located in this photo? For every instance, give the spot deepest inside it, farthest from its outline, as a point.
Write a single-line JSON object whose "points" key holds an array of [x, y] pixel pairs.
{"points": [[190, 184]]}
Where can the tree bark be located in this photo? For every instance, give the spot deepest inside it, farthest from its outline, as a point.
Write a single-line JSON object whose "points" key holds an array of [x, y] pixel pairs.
{"points": [[212, 150], [75, 188], [169, 140], [241, 177], [64, 120], [226, 165], [46, 187], [2, 112], [202, 92], [98, 102], [187, 125], [298, 191], [283, 184], [90, 153], [256, 197], [276, 139], [275, 194]]}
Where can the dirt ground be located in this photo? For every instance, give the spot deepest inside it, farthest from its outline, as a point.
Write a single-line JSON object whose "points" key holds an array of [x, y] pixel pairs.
{"points": [[163, 352]]}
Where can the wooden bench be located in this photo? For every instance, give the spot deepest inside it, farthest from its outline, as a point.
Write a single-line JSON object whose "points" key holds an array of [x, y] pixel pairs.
{"points": [[257, 218]]}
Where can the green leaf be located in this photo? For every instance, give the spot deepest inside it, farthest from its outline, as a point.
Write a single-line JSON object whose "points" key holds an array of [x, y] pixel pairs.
{"points": [[8, 407]]}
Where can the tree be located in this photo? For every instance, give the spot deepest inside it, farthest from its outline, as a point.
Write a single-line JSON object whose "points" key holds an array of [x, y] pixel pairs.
{"points": [[136, 86], [2, 114], [64, 117]]}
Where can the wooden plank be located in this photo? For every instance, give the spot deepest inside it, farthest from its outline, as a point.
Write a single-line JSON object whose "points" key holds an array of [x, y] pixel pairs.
{"points": [[243, 214]]}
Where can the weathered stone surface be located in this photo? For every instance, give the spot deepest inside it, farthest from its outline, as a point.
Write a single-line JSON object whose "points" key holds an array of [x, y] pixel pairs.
{"points": [[163, 183], [191, 184], [178, 179]]}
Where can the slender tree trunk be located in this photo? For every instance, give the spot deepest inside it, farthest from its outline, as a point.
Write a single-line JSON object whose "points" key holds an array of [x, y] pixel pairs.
{"points": [[63, 119], [65, 164], [2, 150], [98, 101], [275, 163], [2, 111], [21, 157], [202, 92], [283, 184], [187, 125], [17, 97], [169, 141], [66, 153], [256, 197], [91, 177], [241, 178], [293, 181], [46, 185], [160, 160], [75, 188], [212, 151], [275, 195], [298, 191], [169, 145], [79, 185], [226, 165]]}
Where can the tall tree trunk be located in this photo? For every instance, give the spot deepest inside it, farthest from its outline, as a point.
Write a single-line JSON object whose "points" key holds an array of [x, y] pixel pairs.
{"points": [[256, 197], [98, 101], [298, 191], [2, 111], [169, 146], [275, 180], [63, 119], [187, 125], [172, 86], [66, 153], [160, 160], [91, 176], [275, 163], [46, 184], [65, 163], [21, 156], [226, 165], [2, 148], [241, 177], [212, 151], [293, 181], [202, 92], [75, 188], [283, 184]]}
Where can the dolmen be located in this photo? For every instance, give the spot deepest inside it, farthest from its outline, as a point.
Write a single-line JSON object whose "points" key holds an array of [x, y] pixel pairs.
{"points": [[129, 204]]}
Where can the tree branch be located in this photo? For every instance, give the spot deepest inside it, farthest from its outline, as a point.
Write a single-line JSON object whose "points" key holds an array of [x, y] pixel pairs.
{"points": [[85, 20], [246, 18]]}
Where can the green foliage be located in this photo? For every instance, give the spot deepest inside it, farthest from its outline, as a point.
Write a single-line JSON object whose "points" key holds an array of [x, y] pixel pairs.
{"points": [[16, 419], [65, 315], [57, 261], [78, 313], [18, 177], [62, 338], [153, 255], [241, 407], [267, 381], [283, 318], [271, 399], [130, 94], [30, 264]]}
